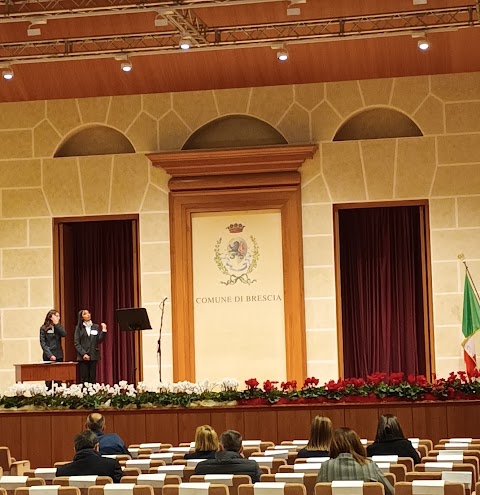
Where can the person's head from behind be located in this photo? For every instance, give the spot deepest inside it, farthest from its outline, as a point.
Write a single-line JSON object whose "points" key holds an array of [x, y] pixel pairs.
{"points": [[346, 441], [95, 422], [231, 440], [86, 440], [206, 438], [52, 318], [321, 431], [388, 427]]}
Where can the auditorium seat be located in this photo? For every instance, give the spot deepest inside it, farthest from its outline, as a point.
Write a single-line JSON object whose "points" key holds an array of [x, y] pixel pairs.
{"points": [[156, 481], [113, 488], [130, 471], [457, 446], [429, 475], [459, 440], [270, 462], [301, 467], [368, 488], [399, 470], [465, 460], [11, 483], [83, 483], [153, 446], [47, 490], [264, 488], [135, 452], [212, 489], [232, 481], [308, 480], [45, 473], [167, 457], [10, 465], [118, 457], [183, 471], [421, 487], [143, 464]]}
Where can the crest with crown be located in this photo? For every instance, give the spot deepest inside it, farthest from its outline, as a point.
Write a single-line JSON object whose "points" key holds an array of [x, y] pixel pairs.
{"points": [[235, 228]]}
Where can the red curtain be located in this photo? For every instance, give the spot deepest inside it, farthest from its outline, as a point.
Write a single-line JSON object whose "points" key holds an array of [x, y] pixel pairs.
{"points": [[104, 282], [382, 290]]}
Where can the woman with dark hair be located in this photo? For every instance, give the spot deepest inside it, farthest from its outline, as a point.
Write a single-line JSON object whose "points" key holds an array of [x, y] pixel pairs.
{"points": [[86, 339], [390, 440], [51, 333], [349, 461], [206, 443], [318, 445]]}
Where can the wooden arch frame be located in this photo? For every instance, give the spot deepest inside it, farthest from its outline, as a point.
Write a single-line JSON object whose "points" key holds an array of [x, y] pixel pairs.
{"points": [[229, 180]]}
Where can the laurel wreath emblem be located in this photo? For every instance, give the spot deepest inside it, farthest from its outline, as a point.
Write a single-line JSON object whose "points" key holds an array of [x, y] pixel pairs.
{"points": [[233, 279]]}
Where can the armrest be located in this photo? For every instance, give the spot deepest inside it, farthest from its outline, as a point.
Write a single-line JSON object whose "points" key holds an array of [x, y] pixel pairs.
{"points": [[17, 468]]}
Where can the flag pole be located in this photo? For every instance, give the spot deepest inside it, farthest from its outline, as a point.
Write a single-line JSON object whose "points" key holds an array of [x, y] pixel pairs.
{"points": [[471, 280]]}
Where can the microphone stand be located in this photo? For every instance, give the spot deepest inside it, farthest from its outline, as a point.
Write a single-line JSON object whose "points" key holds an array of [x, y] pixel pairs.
{"points": [[159, 349]]}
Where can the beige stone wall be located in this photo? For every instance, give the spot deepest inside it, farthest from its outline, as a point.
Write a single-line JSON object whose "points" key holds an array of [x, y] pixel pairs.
{"points": [[443, 166]]}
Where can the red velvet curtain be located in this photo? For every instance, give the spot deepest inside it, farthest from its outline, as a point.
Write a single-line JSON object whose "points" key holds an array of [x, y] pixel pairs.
{"points": [[382, 290], [104, 282]]}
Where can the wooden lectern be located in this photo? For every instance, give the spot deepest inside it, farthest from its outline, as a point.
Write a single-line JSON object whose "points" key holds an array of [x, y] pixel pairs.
{"points": [[61, 372]]}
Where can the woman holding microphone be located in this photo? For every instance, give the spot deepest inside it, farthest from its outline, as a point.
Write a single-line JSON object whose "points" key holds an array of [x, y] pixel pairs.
{"points": [[51, 333]]}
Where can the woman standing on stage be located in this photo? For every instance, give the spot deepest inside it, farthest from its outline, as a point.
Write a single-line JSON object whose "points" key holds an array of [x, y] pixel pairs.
{"points": [[51, 333], [87, 337]]}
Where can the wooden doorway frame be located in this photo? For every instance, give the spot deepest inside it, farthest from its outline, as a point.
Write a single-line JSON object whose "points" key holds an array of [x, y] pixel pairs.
{"points": [[61, 282], [426, 276], [232, 180]]}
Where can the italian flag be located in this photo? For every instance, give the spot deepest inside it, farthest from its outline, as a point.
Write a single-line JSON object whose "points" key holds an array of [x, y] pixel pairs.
{"points": [[470, 323]]}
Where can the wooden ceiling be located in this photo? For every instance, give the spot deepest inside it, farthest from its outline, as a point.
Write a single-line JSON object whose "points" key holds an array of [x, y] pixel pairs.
{"points": [[347, 59]]}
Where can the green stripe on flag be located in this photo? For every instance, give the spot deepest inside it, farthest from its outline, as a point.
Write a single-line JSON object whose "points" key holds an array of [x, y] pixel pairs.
{"points": [[471, 309]]}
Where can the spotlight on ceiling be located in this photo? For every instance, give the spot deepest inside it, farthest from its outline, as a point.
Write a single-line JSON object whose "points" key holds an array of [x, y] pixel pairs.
{"points": [[7, 73], [126, 66], [185, 43], [282, 55], [423, 44]]}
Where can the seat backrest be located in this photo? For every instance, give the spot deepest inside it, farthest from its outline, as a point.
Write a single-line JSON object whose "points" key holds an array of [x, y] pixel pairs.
{"points": [[156, 484], [47, 474], [11, 483], [212, 489], [308, 480], [473, 461], [289, 489], [82, 482], [272, 463], [248, 451], [410, 488], [5, 458], [266, 445], [422, 475], [62, 490], [118, 457], [184, 472], [399, 470], [135, 490], [231, 481], [369, 488], [131, 471]]}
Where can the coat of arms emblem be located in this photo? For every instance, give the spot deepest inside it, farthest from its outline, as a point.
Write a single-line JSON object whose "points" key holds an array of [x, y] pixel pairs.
{"points": [[236, 256]]}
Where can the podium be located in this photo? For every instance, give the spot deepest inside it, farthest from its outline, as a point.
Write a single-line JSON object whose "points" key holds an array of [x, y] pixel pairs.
{"points": [[61, 372]]}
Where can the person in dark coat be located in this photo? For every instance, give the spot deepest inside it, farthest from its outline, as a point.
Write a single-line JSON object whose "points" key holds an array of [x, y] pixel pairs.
{"points": [[206, 443], [391, 441], [318, 445], [51, 333], [109, 443], [86, 339], [229, 459], [88, 461]]}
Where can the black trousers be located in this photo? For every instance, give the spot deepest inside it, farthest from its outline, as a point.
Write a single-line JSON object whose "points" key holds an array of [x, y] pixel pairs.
{"points": [[88, 371]]}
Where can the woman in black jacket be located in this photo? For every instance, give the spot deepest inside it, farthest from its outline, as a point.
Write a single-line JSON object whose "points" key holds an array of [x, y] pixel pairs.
{"points": [[321, 432], [206, 443], [51, 333], [86, 339], [391, 441]]}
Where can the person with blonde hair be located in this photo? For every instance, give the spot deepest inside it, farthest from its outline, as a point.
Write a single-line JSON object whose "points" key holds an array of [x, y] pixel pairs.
{"points": [[390, 440], [206, 443], [349, 461], [318, 445]]}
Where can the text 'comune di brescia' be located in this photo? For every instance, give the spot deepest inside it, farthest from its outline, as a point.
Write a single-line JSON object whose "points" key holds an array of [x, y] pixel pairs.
{"points": [[238, 299]]}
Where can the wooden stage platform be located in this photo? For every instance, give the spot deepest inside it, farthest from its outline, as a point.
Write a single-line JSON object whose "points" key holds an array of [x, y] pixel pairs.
{"points": [[45, 437]]}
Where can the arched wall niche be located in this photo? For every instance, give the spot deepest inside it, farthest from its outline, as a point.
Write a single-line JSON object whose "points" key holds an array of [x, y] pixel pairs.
{"points": [[377, 123], [95, 140], [234, 131]]}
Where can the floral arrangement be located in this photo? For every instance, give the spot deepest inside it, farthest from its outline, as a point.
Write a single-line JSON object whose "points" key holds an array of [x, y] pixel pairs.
{"points": [[378, 387]]}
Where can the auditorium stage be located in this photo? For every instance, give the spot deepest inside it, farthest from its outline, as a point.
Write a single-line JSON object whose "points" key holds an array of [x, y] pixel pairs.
{"points": [[45, 437]]}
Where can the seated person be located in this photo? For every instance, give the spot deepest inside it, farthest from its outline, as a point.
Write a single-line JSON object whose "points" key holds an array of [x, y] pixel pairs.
{"points": [[229, 459], [320, 438], [391, 441], [88, 461], [349, 461], [206, 443], [110, 443]]}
